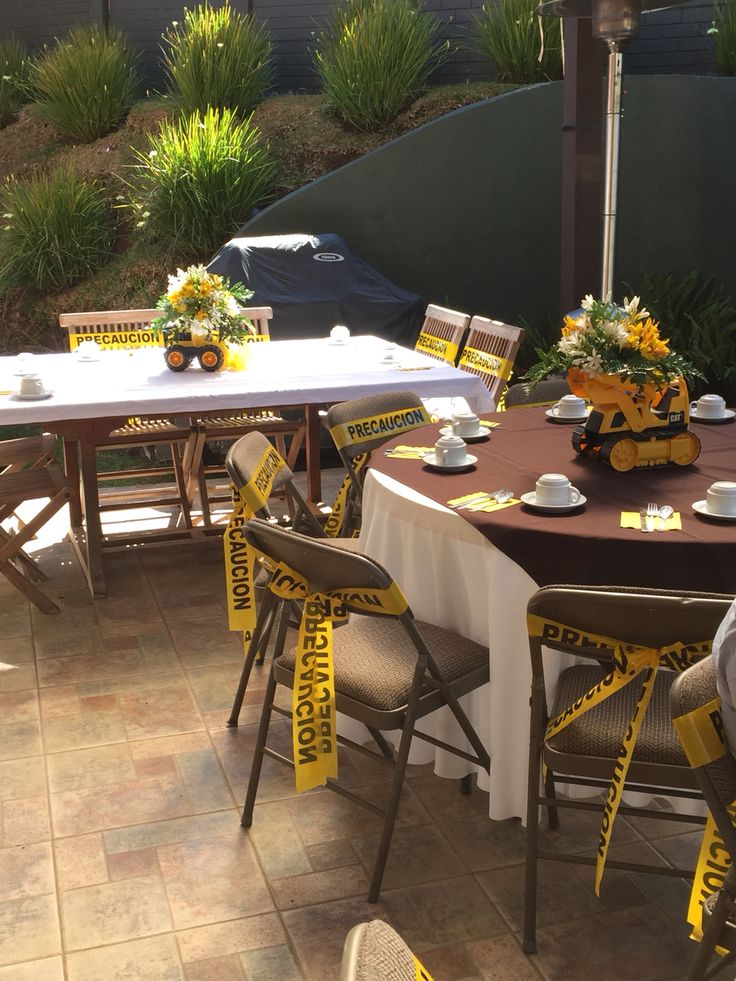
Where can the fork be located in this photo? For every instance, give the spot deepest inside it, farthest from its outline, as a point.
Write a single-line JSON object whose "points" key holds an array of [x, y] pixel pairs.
{"points": [[500, 496], [650, 517]]}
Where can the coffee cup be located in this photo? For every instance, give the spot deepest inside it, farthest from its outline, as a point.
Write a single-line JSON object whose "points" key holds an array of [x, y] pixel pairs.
{"points": [[720, 497], [24, 363], [389, 354], [709, 406], [88, 351], [555, 490], [569, 407], [450, 451], [465, 424], [339, 334], [30, 386]]}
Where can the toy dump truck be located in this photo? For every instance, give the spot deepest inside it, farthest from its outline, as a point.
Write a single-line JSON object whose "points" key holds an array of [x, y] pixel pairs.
{"points": [[211, 353], [628, 427]]}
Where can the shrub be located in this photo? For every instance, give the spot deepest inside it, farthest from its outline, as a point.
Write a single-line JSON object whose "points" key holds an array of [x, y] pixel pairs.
{"points": [[87, 83], [724, 32], [526, 48], [55, 229], [200, 179], [14, 71], [219, 59], [375, 58]]}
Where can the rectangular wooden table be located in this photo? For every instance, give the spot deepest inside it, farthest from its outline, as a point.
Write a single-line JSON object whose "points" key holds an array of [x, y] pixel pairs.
{"points": [[91, 399]]}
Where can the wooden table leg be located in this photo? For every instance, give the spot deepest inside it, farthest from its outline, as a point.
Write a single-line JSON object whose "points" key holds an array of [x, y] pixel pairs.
{"points": [[93, 519], [71, 467], [314, 473]]}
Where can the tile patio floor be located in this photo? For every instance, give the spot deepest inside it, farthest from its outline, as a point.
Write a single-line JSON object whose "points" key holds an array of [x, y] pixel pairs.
{"points": [[122, 855]]}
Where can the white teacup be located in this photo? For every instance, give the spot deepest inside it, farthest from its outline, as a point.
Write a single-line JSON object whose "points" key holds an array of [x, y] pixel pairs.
{"points": [[389, 354], [569, 407], [88, 351], [720, 497], [24, 363], [466, 424], [450, 451], [709, 406], [555, 490], [31, 385], [339, 334]]}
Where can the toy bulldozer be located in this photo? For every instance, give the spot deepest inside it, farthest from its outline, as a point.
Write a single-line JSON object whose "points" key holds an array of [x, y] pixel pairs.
{"points": [[211, 353], [628, 427]]}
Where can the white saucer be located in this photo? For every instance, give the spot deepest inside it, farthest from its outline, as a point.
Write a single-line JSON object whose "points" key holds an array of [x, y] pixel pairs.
{"points": [[714, 421], [84, 360], [32, 398], [566, 419], [431, 461], [478, 438], [336, 343], [530, 499], [702, 508]]}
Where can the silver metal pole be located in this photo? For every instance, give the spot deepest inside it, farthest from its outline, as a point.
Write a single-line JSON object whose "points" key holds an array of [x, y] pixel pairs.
{"points": [[610, 178]]}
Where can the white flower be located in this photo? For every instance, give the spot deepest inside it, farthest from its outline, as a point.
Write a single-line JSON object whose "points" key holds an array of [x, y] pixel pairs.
{"points": [[231, 306], [587, 302], [570, 344], [591, 364], [615, 331], [220, 44], [200, 330]]}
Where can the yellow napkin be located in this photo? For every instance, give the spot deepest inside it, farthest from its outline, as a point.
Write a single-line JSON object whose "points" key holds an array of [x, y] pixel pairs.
{"points": [[402, 452], [632, 519], [488, 424], [486, 506]]}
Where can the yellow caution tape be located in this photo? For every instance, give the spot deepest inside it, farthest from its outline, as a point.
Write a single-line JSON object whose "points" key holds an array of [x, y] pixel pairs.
{"points": [[437, 346], [334, 523], [384, 425], [701, 733], [314, 734], [494, 365], [420, 972], [256, 338], [119, 340], [258, 489], [629, 662]]}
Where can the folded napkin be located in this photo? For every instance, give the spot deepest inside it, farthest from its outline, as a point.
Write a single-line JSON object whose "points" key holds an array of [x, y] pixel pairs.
{"points": [[402, 452], [483, 505], [632, 519]]}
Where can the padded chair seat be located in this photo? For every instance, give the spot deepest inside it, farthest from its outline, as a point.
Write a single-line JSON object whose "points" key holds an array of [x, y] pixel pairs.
{"points": [[364, 673], [600, 731]]}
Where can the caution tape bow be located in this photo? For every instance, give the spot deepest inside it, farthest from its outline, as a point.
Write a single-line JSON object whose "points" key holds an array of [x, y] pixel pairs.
{"points": [[629, 662]]}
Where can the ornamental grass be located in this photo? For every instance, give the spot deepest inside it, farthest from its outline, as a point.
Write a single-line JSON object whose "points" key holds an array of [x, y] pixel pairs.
{"points": [[15, 68], [525, 48], [55, 229], [218, 58], [87, 83], [375, 58], [200, 180], [724, 35]]}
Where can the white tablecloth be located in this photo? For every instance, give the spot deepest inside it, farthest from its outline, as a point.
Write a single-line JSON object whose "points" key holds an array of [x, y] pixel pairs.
{"points": [[302, 372]]}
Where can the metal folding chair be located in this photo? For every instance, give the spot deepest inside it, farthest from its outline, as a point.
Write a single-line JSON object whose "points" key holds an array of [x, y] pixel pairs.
{"points": [[374, 951]]}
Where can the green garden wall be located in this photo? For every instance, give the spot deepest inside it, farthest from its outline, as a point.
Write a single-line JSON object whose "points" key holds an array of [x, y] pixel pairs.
{"points": [[466, 210]]}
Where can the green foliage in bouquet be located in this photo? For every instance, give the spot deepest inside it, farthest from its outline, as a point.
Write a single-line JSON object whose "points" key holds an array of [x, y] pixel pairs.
{"points": [[198, 303]]}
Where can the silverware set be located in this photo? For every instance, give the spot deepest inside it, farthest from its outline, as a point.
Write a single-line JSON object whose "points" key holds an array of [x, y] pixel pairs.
{"points": [[653, 517], [481, 500]]}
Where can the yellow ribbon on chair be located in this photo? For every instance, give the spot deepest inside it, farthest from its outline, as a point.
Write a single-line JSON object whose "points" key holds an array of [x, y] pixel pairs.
{"points": [[629, 662], [336, 519]]}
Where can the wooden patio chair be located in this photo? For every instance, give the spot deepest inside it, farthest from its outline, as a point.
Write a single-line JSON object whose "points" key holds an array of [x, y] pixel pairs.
{"points": [[490, 351], [28, 472], [442, 333], [135, 431]]}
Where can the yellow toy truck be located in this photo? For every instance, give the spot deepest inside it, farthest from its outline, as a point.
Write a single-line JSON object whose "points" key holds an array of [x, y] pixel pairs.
{"points": [[629, 428], [210, 353]]}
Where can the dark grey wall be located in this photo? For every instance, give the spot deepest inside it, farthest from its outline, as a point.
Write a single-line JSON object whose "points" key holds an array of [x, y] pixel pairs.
{"points": [[670, 41], [465, 210]]}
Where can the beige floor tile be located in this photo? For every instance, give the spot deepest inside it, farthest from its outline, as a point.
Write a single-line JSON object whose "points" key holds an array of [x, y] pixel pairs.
{"points": [[204, 780], [205, 642], [211, 880], [270, 964], [80, 861], [25, 821], [16, 650], [67, 643], [217, 824], [19, 706], [114, 911], [318, 932], [152, 959], [15, 619], [232, 937], [275, 836], [417, 854], [227, 968], [22, 778], [26, 871], [452, 963], [90, 667], [319, 887], [87, 729], [17, 677], [135, 683], [186, 742], [29, 929], [90, 768], [49, 969], [132, 865], [502, 959], [20, 739], [160, 712]]}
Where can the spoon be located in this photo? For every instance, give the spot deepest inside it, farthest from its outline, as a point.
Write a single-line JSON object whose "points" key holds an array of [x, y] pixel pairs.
{"points": [[664, 513]]}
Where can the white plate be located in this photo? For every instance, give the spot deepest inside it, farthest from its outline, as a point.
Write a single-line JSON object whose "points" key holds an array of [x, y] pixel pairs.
{"points": [[702, 508], [86, 360], [478, 438], [566, 419], [530, 499], [431, 461], [32, 398], [726, 417], [336, 343]]}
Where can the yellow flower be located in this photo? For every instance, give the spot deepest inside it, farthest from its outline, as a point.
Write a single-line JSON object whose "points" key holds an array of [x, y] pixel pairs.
{"points": [[173, 297], [644, 335], [180, 308], [570, 326], [205, 288], [200, 315]]}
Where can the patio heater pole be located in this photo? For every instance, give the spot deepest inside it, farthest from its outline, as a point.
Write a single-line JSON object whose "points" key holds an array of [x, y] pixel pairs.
{"points": [[610, 178]]}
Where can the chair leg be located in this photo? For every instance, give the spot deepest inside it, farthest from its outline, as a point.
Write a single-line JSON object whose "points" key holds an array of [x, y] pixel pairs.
{"points": [[553, 814], [265, 619], [706, 948], [397, 783], [181, 484], [28, 588], [255, 770], [466, 784], [529, 943], [385, 747]]}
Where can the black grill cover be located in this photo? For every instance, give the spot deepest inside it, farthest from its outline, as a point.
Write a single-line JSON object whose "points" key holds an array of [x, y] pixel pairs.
{"points": [[314, 282]]}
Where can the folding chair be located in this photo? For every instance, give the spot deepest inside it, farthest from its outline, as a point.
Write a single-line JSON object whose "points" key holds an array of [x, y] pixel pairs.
{"points": [[547, 392], [356, 433], [136, 431], [490, 351], [696, 715], [374, 951], [580, 620], [29, 473], [390, 670], [442, 333], [229, 426]]}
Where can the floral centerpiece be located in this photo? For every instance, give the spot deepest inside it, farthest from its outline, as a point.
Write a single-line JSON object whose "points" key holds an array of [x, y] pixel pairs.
{"points": [[201, 317], [616, 358]]}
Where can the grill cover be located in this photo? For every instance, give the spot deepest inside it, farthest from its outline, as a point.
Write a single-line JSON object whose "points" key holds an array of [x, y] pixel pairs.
{"points": [[313, 282]]}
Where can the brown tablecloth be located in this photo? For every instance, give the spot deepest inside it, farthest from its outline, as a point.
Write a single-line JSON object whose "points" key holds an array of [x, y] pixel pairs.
{"points": [[589, 546]]}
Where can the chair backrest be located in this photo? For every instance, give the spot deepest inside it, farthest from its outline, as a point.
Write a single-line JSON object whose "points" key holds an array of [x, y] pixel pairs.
{"points": [[547, 392], [442, 333], [259, 317], [490, 352], [374, 950], [242, 462]]}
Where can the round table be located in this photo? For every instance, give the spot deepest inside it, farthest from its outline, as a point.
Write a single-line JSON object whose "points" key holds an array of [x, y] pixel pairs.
{"points": [[474, 573]]}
